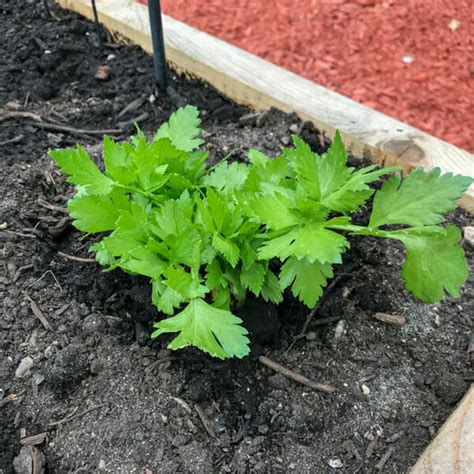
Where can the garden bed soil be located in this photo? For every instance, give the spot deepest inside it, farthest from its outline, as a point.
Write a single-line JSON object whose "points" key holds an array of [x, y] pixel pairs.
{"points": [[112, 400]]}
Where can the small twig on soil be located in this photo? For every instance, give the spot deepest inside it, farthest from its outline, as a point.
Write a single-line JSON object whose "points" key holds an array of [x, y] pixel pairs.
{"points": [[383, 460], [11, 398], [52, 207], [76, 131], [241, 431], [20, 271], [39, 314], [57, 115], [140, 118], [41, 44], [19, 234], [41, 277], [328, 320], [131, 106], [66, 417], [395, 437], [34, 440], [78, 415], [112, 45], [204, 421], [76, 259], [38, 122], [183, 404], [393, 319], [18, 114], [295, 376], [16, 139], [61, 310]]}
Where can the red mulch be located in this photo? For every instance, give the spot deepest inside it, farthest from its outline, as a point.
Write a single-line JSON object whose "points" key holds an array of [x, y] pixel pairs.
{"points": [[357, 48]]}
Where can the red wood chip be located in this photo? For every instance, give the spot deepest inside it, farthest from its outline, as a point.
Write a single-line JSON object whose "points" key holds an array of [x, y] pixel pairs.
{"points": [[346, 45]]}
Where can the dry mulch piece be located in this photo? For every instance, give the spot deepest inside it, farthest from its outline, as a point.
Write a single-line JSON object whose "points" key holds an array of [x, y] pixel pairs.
{"points": [[410, 60]]}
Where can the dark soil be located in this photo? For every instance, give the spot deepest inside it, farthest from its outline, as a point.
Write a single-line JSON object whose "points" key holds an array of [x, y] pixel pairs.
{"points": [[127, 404]]}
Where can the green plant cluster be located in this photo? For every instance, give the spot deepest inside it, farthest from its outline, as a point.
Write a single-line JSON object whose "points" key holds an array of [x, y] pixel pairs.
{"points": [[205, 237]]}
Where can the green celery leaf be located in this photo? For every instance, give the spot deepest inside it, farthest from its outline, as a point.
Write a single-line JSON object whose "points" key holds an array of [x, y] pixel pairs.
{"points": [[204, 216], [269, 171], [232, 275], [173, 216], [332, 169], [253, 277], [143, 261], [102, 256], [434, 263], [311, 210], [164, 297], [208, 252], [82, 170], [316, 243], [119, 244], [312, 241], [355, 191], [182, 129], [227, 177], [271, 290], [182, 248], [215, 331], [257, 158], [305, 164], [134, 222], [151, 161], [118, 162], [274, 211], [184, 283], [319, 175], [419, 199], [131, 232], [221, 298], [247, 254], [218, 209], [93, 213], [215, 276], [195, 165], [308, 279], [227, 248], [280, 246]]}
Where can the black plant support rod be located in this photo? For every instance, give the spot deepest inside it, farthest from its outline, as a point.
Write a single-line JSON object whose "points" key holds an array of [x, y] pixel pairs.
{"points": [[159, 58], [96, 21], [46, 11]]}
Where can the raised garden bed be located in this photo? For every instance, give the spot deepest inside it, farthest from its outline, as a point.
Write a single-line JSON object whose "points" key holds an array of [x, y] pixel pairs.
{"points": [[109, 398]]}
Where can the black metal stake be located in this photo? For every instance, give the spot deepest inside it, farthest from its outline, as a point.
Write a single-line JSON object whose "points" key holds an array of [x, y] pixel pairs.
{"points": [[159, 58], [96, 21], [46, 11]]}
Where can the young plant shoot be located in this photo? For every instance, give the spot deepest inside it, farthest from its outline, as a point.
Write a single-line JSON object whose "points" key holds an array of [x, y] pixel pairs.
{"points": [[205, 239]]}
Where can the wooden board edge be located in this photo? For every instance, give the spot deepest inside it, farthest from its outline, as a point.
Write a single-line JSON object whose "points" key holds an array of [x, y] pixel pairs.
{"points": [[392, 143], [452, 450]]}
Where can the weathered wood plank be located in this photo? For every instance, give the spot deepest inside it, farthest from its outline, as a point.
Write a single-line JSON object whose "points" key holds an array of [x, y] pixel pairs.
{"points": [[452, 451], [259, 84]]}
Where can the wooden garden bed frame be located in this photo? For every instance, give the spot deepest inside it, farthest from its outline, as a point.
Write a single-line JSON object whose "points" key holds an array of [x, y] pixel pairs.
{"points": [[252, 81]]}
